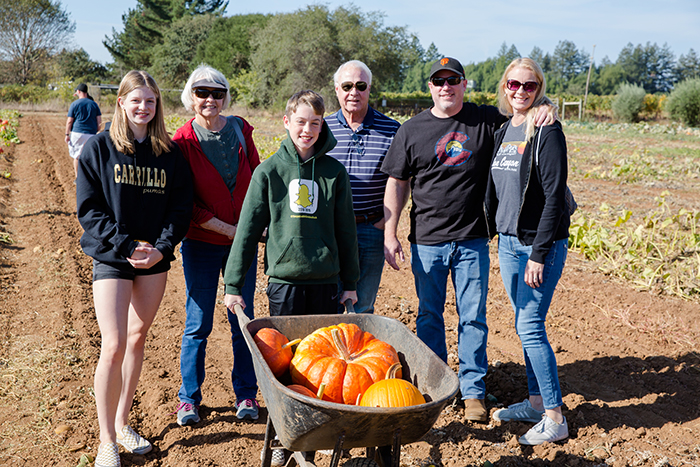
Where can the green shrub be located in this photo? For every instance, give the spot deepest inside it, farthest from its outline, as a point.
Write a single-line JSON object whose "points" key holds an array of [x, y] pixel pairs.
{"points": [[628, 102], [684, 102]]}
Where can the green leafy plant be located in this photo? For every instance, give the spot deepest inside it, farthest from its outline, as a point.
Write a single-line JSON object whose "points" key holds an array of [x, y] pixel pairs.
{"points": [[684, 102], [629, 102], [659, 251]]}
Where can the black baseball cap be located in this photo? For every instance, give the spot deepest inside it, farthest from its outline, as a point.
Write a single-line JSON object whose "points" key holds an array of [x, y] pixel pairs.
{"points": [[82, 87], [447, 63]]}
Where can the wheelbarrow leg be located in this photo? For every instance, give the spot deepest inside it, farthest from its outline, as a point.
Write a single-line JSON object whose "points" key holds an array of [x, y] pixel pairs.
{"points": [[397, 449], [390, 455], [269, 435]]}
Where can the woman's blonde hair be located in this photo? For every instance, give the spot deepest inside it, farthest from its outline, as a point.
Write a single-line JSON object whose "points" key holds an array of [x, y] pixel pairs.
{"points": [[120, 133], [540, 97]]}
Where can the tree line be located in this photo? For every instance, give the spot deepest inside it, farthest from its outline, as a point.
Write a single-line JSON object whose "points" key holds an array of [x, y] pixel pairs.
{"points": [[268, 57]]}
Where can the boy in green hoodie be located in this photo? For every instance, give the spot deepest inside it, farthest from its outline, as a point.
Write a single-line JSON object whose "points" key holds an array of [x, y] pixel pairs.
{"points": [[304, 199]]}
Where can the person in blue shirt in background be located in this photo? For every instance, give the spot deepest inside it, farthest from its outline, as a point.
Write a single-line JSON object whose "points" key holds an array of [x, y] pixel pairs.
{"points": [[84, 120]]}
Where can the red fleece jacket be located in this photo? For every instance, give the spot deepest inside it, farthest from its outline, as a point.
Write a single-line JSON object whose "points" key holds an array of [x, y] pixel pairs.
{"points": [[212, 197]]}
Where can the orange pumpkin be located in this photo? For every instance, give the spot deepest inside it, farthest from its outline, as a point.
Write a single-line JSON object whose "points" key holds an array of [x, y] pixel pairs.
{"points": [[303, 390], [392, 392], [344, 358], [306, 391], [275, 348]]}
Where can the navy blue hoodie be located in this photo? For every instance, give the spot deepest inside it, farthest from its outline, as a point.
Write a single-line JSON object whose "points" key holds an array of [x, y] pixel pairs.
{"points": [[124, 198]]}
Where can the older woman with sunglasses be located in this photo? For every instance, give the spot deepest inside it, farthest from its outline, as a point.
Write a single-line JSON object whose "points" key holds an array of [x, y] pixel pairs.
{"points": [[526, 205], [222, 156]]}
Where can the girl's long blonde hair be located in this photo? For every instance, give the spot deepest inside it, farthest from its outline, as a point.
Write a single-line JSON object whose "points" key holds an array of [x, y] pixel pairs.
{"points": [[120, 133], [540, 98]]}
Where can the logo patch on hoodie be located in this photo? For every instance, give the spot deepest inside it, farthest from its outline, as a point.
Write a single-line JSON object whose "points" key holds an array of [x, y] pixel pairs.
{"points": [[303, 197]]}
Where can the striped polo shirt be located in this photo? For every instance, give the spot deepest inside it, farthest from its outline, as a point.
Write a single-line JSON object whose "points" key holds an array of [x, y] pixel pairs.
{"points": [[362, 153]]}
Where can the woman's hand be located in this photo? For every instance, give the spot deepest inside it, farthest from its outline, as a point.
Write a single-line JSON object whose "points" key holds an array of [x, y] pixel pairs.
{"points": [[145, 256], [533, 273]]}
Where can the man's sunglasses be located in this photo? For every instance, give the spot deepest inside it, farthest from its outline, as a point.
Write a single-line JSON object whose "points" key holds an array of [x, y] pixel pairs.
{"points": [[452, 81], [348, 85], [514, 85], [203, 93]]}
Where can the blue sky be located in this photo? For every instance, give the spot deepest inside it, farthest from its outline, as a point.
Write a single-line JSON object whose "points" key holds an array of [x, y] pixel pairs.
{"points": [[468, 30]]}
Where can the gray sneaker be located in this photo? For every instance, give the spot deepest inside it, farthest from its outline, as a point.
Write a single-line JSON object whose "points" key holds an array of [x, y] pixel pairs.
{"points": [[187, 414], [546, 431], [520, 412], [247, 408]]}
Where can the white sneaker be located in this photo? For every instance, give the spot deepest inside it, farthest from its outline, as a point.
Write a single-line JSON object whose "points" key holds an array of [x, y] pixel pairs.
{"points": [[277, 456], [520, 412], [546, 431]]}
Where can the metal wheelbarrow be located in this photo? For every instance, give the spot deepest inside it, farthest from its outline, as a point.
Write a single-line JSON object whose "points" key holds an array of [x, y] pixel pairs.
{"points": [[305, 425]]}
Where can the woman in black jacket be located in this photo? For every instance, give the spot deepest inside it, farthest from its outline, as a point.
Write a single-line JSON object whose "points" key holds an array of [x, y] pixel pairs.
{"points": [[525, 204], [134, 200]]}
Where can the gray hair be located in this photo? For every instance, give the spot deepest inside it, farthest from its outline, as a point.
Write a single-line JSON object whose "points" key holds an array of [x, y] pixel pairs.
{"points": [[204, 72], [353, 64]]}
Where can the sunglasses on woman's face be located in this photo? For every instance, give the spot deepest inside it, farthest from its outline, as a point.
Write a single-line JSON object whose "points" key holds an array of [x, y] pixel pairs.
{"points": [[452, 81], [203, 93], [514, 85], [348, 85]]}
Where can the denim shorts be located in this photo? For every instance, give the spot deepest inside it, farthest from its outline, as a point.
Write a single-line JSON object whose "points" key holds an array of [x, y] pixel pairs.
{"points": [[107, 271]]}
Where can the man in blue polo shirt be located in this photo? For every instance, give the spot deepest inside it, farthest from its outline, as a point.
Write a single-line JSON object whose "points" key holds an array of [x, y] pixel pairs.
{"points": [[364, 136]]}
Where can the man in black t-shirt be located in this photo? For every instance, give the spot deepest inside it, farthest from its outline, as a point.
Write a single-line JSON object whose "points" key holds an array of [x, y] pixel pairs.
{"points": [[442, 156]]}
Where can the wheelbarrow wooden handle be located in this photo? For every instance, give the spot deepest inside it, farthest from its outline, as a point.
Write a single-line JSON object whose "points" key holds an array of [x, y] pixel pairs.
{"points": [[349, 307], [243, 320]]}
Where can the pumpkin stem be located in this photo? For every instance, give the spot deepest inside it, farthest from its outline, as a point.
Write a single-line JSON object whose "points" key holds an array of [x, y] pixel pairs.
{"points": [[340, 345], [321, 390], [290, 343], [391, 372]]}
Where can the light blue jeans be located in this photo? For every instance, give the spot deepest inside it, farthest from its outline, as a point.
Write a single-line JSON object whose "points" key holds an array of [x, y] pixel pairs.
{"points": [[203, 263], [531, 307], [468, 263], [370, 243]]}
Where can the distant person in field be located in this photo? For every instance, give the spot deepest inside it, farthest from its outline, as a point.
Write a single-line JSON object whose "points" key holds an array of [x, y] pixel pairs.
{"points": [[134, 201], [526, 206], [364, 136], [84, 120], [222, 156]]}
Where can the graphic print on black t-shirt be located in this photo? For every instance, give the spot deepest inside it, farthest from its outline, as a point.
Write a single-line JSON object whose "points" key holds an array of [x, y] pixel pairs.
{"points": [[450, 149]]}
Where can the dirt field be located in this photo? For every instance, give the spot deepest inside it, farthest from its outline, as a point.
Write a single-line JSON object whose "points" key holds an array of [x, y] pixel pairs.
{"points": [[628, 360]]}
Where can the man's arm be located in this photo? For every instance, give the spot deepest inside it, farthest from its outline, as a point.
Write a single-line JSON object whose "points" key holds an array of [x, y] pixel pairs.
{"points": [[69, 128], [395, 197]]}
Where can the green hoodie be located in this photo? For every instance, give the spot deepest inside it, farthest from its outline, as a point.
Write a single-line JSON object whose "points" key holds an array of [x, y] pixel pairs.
{"points": [[311, 236]]}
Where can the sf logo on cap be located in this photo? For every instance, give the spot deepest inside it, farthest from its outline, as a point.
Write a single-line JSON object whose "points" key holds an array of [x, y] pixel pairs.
{"points": [[444, 61]]}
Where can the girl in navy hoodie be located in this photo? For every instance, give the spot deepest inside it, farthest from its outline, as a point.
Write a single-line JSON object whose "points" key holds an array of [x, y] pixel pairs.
{"points": [[134, 200]]}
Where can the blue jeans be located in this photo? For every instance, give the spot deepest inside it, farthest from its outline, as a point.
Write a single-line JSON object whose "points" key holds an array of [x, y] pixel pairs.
{"points": [[370, 243], [468, 263], [531, 306], [203, 263]]}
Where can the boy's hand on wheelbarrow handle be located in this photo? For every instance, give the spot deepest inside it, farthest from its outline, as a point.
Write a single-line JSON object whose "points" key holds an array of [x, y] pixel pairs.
{"points": [[232, 300]]}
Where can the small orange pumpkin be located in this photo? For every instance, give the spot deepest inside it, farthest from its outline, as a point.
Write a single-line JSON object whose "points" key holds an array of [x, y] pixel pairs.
{"points": [[392, 392], [275, 348], [345, 358], [303, 390]]}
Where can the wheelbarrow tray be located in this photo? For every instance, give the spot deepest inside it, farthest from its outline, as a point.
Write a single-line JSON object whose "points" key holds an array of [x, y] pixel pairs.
{"points": [[303, 423]]}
